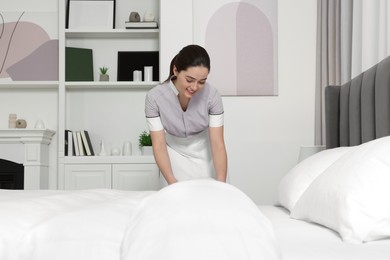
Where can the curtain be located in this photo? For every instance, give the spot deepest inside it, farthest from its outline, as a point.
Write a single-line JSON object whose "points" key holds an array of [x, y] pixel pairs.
{"points": [[352, 36], [370, 34], [328, 71]]}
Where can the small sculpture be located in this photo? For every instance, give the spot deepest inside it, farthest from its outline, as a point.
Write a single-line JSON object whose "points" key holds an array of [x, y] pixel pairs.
{"points": [[21, 123], [134, 17], [126, 151], [12, 121], [149, 16], [102, 149], [40, 124], [137, 75]]}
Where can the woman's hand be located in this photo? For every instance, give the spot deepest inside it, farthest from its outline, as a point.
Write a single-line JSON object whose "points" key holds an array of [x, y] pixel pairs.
{"points": [[172, 181], [219, 152], [161, 155]]}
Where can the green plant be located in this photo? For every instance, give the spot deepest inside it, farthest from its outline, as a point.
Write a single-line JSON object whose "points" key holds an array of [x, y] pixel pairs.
{"points": [[144, 139], [103, 70]]}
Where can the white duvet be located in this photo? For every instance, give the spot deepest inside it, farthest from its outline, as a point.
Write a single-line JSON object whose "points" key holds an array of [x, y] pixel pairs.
{"points": [[202, 219], [71, 225], [188, 220]]}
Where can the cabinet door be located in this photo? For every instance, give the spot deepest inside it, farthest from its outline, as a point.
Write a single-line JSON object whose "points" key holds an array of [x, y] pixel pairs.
{"points": [[87, 176], [135, 177]]}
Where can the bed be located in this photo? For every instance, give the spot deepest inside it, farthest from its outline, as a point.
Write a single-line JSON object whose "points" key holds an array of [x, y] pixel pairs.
{"points": [[335, 204], [332, 205]]}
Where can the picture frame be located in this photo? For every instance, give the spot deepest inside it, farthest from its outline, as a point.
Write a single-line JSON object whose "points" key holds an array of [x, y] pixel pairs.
{"points": [[128, 61], [91, 14]]}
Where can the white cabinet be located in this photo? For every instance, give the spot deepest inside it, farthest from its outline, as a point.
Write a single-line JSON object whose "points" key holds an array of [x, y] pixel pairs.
{"points": [[114, 172], [135, 177], [87, 176]]}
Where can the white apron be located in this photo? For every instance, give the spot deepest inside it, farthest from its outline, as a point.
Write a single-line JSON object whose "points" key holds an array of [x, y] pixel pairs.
{"points": [[190, 157]]}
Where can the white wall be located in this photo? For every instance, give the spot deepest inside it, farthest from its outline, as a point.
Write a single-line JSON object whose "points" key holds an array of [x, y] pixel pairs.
{"points": [[262, 150]]}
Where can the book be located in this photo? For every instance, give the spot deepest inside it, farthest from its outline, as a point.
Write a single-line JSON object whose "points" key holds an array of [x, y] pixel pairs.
{"points": [[80, 143], [87, 143], [66, 142], [69, 151], [78, 64], [140, 25], [76, 144]]}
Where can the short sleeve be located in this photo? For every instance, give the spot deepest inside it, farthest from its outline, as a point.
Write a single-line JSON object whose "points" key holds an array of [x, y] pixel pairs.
{"points": [[151, 109], [215, 105], [152, 114], [216, 112]]}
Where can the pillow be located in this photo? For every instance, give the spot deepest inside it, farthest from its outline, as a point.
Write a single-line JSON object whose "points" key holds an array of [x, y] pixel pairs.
{"points": [[352, 195], [296, 181]]}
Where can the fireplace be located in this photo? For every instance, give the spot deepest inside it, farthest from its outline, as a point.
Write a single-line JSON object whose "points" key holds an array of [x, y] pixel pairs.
{"points": [[11, 175], [36, 155]]}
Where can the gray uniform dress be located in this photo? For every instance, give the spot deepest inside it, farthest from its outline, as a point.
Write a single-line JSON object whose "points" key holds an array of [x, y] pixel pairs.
{"points": [[187, 134]]}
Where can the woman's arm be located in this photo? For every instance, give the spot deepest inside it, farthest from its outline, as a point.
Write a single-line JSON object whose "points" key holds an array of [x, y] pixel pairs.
{"points": [[219, 152], [161, 155]]}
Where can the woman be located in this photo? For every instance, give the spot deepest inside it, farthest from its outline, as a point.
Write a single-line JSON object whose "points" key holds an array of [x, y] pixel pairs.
{"points": [[185, 120]]}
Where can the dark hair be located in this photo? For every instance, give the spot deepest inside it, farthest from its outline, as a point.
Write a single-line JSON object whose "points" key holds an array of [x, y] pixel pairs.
{"points": [[190, 56]]}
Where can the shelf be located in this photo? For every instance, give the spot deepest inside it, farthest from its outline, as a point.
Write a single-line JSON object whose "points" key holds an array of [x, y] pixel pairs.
{"points": [[113, 33], [29, 85], [110, 85], [148, 159]]}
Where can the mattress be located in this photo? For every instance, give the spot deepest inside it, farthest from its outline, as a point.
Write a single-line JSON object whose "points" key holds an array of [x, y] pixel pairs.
{"points": [[300, 240]]}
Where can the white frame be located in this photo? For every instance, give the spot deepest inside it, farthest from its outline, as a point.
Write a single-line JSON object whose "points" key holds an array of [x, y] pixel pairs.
{"points": [[91, 14]]}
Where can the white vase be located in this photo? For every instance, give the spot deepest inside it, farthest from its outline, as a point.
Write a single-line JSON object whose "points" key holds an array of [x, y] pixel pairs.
{"points": [[102, 149], [147, 150]]}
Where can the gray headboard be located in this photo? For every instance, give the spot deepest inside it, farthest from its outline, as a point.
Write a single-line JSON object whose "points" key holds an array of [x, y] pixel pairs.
{"points": [[359, 110]]}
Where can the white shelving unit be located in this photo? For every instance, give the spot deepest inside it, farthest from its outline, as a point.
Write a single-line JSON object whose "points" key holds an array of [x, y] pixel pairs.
{"points": [[111, 111]]}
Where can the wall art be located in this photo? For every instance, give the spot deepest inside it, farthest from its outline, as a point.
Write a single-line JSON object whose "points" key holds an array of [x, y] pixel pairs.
{"points": [[242, 40], [28, 46]]}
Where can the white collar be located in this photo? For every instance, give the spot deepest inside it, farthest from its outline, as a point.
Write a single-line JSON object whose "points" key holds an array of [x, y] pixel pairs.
{"points": [[174, 89]]}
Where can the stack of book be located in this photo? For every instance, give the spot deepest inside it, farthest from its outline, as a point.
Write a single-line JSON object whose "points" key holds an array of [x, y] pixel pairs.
{"points": [[141, 25], [78, 143]]}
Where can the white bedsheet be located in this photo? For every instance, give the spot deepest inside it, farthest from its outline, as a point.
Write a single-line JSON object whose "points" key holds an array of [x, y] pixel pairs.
{"points": [[300, 240]]}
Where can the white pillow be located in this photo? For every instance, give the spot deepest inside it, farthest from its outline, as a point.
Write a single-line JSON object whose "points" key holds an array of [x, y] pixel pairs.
{"points": [[298, 179], [352, 196]]}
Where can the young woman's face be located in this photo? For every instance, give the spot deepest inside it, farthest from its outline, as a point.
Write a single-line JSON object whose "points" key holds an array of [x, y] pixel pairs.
{"points": [[190, 81]]}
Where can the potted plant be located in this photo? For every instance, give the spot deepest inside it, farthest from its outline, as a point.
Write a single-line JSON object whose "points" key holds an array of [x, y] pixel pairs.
{"points": [[145, 143], [103, 74]]}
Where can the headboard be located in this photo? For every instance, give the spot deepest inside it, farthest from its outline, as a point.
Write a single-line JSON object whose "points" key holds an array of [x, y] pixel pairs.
{"points": [[359, 110]]}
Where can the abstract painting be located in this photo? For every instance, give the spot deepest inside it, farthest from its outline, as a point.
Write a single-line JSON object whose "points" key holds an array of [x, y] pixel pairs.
{"points": [[28, 46], [242, 40]]}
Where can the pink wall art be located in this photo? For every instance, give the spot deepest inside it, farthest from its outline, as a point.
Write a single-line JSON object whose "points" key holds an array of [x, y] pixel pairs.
{"points": [[28, 46], [242, 40]]}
